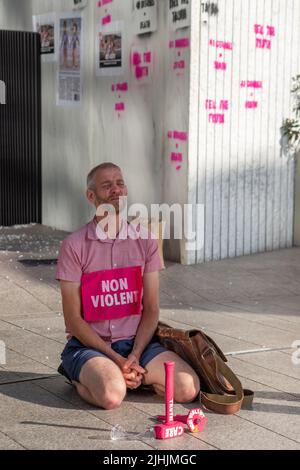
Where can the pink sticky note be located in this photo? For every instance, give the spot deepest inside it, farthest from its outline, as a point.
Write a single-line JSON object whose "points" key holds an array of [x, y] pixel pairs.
{"points": [[120, 107], [147, 57], [141, 72], [136, 58], [106, 19], [104, 2], [183, 42]]}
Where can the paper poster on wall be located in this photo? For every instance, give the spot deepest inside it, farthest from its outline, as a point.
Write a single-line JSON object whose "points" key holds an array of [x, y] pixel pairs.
{"points": [[145, 16], [141, 61], [70, 59], [109, 49], [179, 14], [45, 26]]}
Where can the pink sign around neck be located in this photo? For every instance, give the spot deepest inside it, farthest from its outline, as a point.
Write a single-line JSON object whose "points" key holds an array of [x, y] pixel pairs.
{"points": [[112, 294]]}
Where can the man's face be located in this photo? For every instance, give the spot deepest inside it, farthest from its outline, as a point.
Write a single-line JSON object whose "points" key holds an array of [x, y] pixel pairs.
{"points": [[109, 187]]}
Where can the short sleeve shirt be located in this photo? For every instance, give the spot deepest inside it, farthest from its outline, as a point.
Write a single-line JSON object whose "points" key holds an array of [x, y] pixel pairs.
{"points": [[85, 252]]}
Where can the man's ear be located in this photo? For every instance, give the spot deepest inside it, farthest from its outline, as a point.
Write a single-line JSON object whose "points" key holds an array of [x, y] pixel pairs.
{"points": [[90, 196]]}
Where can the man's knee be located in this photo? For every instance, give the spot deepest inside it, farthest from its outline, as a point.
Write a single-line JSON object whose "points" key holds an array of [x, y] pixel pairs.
{"points": [[111, 397], [187, 388]]}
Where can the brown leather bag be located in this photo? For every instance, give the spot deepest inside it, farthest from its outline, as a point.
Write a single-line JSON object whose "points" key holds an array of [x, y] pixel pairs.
{"points": [[221, 390]]}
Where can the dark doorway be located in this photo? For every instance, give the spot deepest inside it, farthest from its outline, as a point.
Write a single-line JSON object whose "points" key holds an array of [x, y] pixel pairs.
{"points": [[20, 128]]}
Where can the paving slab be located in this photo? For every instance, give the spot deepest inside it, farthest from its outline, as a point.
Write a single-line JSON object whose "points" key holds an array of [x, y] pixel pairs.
{"points": [[43, 350], [6, 443], [275, 361], [41, 420], [19, 366], [274, 410], [267, 314], [18, 298], [234, 327], [245, 369], [52, 327]]}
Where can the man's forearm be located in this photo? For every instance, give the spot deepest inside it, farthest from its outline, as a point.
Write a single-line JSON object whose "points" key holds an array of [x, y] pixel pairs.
{"points": [[87, 336], [145, 331]]}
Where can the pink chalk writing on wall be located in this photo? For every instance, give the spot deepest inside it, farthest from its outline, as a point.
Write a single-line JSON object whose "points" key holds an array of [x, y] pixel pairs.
{"points": [[251, 84], [180, 64], [179, 139], [216, 117], [106, 18], [256, 85], [251, 104], [103, 2], [220, 65], [226, 46], [141, 72], [264, 35], [141, 62], [221, 44], [120, 107], [179, 58], [119, 89]]}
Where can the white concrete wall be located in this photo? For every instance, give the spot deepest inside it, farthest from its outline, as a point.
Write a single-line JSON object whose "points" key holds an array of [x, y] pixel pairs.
{"points": [[15, 15], [76, 140]]}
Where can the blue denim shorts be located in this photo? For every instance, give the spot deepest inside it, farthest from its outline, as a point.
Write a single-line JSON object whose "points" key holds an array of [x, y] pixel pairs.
{"points": [[75, 354]]}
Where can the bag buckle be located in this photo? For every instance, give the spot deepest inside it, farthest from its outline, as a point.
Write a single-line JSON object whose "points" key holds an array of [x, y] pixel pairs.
{"points": [[207, 350]]}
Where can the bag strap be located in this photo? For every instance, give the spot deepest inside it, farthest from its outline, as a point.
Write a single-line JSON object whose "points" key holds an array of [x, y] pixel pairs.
{"points": [[232, 402]]}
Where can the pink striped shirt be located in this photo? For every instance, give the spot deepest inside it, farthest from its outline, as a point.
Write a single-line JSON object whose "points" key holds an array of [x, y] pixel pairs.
{"points": [[83, 252]]}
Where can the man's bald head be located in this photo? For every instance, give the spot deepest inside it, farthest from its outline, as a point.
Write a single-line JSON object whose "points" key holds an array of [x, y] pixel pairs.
{"points": [[92, 174]]}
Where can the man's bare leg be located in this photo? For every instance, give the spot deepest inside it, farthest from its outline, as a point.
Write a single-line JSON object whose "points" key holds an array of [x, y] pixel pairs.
{"points": [[101, 383], [186, 381]]}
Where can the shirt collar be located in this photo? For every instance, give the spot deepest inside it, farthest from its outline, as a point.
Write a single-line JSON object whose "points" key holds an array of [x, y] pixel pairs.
{"points": [[93, 228]]}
